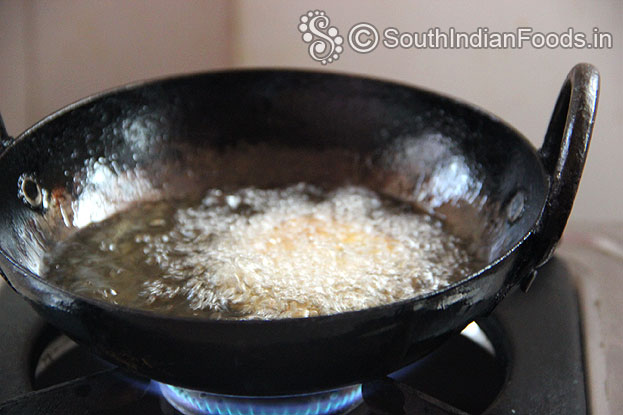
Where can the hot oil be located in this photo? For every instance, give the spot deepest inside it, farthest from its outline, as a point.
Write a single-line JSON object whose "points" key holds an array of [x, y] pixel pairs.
{"points": [[262, 254]]}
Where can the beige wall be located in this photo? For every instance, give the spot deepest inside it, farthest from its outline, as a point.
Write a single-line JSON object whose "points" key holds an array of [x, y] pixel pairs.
{"points": [[54, 52], [518, 85]]}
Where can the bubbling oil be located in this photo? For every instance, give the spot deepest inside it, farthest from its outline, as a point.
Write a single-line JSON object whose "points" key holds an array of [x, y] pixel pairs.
{"points": [[254, 253]]}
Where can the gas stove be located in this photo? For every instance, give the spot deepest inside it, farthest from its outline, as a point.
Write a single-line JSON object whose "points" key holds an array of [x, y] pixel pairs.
{"points": [[553, 350]]}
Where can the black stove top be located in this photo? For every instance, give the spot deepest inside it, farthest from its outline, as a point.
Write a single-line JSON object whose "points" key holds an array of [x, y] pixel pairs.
{"points": [[531, 363]]}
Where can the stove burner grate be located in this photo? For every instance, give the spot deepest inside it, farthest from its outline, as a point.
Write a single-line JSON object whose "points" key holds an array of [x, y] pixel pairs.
{"points": [[527, 358]]}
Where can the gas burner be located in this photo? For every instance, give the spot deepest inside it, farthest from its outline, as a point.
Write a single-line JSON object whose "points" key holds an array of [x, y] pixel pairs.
{"points": [[524, 358], [192, 402]]}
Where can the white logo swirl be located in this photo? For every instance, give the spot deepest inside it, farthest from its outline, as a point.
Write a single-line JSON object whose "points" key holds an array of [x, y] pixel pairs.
{"points": [[325, 45]]}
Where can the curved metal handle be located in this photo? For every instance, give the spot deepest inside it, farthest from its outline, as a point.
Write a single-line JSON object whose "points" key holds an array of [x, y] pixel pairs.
{"points": [[564, 152]]}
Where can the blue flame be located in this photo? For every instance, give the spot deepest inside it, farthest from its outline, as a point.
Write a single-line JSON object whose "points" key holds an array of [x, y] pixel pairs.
{"points": [[191, 402]]}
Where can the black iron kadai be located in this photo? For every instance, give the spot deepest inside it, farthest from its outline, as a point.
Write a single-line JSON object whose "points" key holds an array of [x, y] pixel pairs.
{"points": [[265, 128]]}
